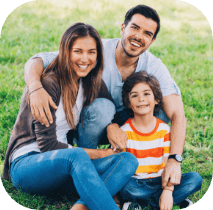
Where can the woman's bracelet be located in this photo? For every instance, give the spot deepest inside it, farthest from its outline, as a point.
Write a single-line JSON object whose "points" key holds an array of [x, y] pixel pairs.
{"points": [[167, 189], [35, 90]]}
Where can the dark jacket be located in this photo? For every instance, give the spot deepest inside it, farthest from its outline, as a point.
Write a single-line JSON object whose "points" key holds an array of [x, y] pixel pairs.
{"points": [[27, 130]]}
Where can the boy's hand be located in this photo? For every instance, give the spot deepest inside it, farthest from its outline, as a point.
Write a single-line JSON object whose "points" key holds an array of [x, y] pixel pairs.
{"points": [[166, 200], [116, 136]]}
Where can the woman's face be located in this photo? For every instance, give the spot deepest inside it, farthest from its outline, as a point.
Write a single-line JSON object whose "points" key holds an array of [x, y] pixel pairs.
{"points": [[83, 55]]}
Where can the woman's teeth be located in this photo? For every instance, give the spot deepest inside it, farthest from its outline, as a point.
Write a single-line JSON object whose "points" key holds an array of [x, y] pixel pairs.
{"points": [[82, 66]]}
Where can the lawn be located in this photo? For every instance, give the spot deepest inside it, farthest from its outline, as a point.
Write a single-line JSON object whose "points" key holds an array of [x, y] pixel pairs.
{"points": [[184, 44]]}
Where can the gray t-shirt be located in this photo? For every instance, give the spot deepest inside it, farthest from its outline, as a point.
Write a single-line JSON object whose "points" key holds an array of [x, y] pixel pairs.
{"points": [[112, 78]]}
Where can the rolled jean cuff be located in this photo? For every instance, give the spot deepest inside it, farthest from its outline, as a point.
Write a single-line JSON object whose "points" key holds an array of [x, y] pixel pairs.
{"points": [[81, 202]]}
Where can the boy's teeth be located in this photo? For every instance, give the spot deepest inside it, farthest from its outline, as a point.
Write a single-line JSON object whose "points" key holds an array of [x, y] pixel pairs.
{"points": [[133, 43]]}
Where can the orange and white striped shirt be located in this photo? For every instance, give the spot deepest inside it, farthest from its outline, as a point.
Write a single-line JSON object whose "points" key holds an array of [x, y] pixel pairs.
{"points": [[149, 148]]}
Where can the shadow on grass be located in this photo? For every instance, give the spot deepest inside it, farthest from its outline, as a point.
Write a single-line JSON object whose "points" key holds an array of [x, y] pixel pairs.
{"points": [[56, 200]]}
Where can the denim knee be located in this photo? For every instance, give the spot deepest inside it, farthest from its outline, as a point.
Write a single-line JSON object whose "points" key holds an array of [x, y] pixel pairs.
{"points": [[101, 110], [131, 162], [196, 181], [77, 154]]}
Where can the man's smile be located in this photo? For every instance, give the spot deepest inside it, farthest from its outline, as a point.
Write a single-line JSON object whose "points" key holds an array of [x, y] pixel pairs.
{"points": [[135, 44]]}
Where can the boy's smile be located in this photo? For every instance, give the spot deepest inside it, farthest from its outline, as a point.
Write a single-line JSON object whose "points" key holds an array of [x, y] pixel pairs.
{"points": [[142, 99]]}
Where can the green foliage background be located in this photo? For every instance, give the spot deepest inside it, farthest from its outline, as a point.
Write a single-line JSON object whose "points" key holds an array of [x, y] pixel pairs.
{"points": [[184, 44]]}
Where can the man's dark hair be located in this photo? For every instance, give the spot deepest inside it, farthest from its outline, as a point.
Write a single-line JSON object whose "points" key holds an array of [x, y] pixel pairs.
{"points": [[141, 77], [147, 12]]}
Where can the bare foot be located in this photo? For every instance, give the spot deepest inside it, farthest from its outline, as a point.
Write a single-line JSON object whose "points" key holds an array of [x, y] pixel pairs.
{"points": [[117, 201], [79, 206]]}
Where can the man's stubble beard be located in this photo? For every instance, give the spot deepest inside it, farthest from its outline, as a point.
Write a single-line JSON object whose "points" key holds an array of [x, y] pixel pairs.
{"points": [[123, 44]]}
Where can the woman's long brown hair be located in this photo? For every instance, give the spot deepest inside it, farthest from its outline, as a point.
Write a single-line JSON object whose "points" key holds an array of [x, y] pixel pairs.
{"points": [[61, 69]]}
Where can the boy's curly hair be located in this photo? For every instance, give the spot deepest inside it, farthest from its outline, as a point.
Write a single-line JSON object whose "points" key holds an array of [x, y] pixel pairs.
{"points": [[141, 77]]}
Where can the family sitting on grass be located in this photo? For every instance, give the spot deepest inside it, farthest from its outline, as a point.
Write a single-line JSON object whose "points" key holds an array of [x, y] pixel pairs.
{"points": [[94, 92]]}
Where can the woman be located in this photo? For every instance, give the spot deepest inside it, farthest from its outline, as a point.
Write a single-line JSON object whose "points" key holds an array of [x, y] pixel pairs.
{"points": [[38, 159]]}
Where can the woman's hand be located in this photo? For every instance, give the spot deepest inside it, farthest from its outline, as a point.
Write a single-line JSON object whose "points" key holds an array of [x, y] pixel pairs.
{"points": [[100, 153], [166, 200], [116, 136], [108, 152], [39, 104]]}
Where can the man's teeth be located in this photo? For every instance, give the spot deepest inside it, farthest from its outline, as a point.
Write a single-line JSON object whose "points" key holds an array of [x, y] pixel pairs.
{"points": [[83, 67], [133, 43]]}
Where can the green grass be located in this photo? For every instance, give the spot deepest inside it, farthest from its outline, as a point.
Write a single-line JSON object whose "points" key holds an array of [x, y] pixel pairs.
{"points": [[184, 44]]}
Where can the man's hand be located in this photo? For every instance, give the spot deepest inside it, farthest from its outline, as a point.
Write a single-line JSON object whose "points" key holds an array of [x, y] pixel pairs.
{"points": [[166, 200], [171, 174], [116, 136], [39, 104]]}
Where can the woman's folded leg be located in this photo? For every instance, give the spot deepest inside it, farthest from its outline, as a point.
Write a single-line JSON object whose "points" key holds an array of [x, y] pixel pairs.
{"points": [[115, 171], [43, 173]]}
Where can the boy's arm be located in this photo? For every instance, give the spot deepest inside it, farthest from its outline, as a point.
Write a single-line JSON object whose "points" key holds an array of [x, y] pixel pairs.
{"points": [[173, 107], [39, 99], [166, 198]]}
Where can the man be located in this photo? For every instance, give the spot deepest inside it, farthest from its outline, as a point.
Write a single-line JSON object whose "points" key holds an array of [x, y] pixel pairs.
{"points": [[122, 57]]}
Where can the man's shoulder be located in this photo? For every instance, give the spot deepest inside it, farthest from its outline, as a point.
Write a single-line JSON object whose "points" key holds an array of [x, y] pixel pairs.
{"points": [[152, 64], [109, 42], [149, 58]]}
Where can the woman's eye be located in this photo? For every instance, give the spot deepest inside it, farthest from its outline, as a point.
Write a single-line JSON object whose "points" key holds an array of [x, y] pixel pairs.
{"points": [[146, 94]]}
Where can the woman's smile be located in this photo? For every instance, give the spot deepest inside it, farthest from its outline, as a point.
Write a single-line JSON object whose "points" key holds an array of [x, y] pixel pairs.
{"points": [[83, 55], [82, 66]]}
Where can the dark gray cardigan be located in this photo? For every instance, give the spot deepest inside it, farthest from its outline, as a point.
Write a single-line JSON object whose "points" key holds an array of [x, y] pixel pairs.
{"points": [[27, 130]]}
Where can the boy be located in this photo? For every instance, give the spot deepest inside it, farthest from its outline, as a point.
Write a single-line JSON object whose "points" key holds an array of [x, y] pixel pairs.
{"points": [[149, 140]]}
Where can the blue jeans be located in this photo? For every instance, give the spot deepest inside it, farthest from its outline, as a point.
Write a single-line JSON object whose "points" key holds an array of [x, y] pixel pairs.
{"points": [[91, 131], [148, 191], [43, 173]]}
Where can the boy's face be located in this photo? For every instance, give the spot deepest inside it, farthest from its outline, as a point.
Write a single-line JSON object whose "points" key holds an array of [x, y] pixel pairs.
{"points": [[142, 100]]}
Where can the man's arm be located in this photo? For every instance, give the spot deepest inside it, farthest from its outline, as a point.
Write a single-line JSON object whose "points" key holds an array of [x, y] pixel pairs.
{"points": [[33, 70], [173, 107], [39, 99], [116, 136]]}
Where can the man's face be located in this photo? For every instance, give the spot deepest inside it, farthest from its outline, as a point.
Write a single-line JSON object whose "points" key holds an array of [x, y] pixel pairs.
{"points": [[137, 35]]}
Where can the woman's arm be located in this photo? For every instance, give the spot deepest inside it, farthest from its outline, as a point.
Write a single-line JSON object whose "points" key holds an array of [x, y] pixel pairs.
{"points": [[100, 153], [46, 135]]}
